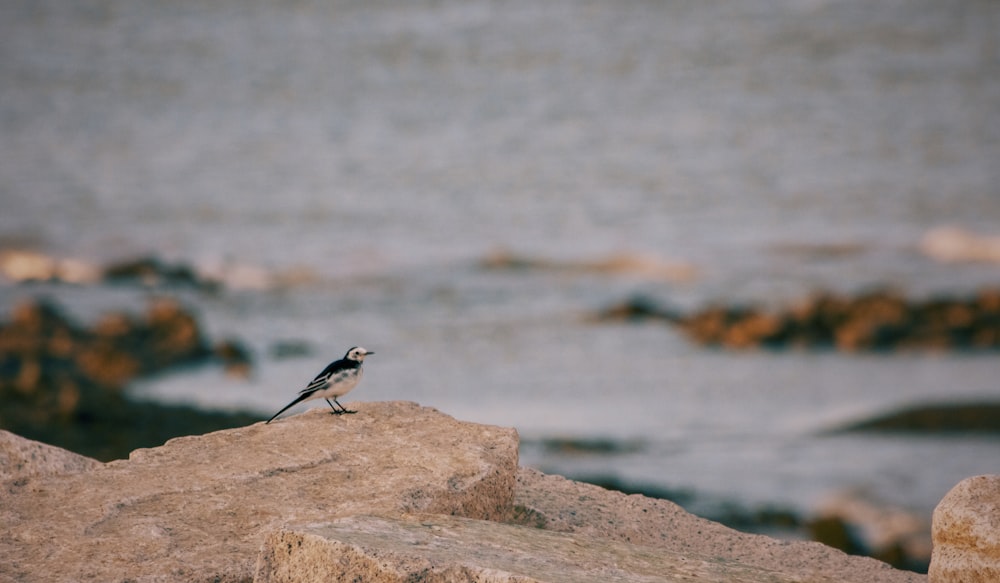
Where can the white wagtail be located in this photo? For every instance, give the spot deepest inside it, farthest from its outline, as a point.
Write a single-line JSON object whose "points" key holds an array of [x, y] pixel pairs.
{"points": [[336, 380]]}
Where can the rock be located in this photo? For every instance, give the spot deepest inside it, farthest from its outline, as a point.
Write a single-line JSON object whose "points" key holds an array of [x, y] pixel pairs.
{"points": [[858, 524], [117, 349], [875, 321], [396, 492], [62, 382], [282, 349], [588, 445], [943, 418], [173, 336], [636, 309], [820, 250], [154, 272], [954, 244], [966, 533], [21, 458], [834, 531], [235, 356], [447, 549], [556, 504], [22, 265], [233, 275], [198, 508], [629, 264]]}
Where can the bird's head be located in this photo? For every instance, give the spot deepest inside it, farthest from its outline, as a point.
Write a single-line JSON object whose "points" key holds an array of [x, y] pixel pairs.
{"points": [[357, 354]]}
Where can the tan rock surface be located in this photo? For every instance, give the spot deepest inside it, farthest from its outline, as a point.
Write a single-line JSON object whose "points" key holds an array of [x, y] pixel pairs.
{"points": [[555, 503], [446, 549], [21, 457], [966, 533], [198, 508]]}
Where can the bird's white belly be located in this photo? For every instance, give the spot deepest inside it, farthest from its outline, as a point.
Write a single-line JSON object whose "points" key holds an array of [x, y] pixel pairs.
{"points": [[340, 384]]}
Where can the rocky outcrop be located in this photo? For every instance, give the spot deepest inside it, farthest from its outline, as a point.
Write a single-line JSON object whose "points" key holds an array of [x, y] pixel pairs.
{"points": [[154, 272], [876, 321], [41, 346], [939, 418], [396, 492], [63, 383], [198, 508], [25, 265], [966, 533]]}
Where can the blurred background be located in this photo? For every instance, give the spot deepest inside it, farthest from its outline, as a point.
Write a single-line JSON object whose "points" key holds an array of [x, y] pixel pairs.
{"points": [[466, 186]]}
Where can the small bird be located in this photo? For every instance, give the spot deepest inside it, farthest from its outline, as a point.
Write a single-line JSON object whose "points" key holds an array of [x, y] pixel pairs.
{"points": [[336, 380]]}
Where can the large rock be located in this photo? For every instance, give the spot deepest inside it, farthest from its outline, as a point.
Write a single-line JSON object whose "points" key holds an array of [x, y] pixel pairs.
{"points": [[966, 533], [370, 496], [446, 549], [20, 458], [198, 508], [555, 503]]}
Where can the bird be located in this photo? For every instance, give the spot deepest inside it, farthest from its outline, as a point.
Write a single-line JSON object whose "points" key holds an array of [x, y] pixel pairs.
{"points": [[336, 380]]}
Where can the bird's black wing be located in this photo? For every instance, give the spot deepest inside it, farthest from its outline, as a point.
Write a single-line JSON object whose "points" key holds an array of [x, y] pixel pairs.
{"points": [[321, 379]]}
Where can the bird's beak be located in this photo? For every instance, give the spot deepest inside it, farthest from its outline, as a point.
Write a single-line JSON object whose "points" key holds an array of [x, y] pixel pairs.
{"points": [[369, 353]]}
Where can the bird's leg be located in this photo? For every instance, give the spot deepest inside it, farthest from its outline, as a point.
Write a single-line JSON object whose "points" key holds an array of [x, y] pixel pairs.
{"points": [[343, 409], [335, 410]]}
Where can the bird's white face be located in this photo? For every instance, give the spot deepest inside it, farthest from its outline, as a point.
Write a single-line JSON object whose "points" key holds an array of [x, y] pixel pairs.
{"points": [[357, 353]]}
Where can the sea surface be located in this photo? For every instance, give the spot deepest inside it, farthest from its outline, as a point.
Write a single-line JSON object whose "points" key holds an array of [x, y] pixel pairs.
{"points": [[349, 169]]}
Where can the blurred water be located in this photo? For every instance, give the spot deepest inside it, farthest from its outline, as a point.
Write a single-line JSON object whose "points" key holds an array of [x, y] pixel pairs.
{"points": [[381, 149]]}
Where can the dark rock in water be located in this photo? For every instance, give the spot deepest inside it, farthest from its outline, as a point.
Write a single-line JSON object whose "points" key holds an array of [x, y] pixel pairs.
{"points": [[63, 384], [875, 321], [290, 349], [859, 525], [834, 532], [153, 272], [629, 264], [638, 308], [945, 418], [234, 356], [587, 445]]}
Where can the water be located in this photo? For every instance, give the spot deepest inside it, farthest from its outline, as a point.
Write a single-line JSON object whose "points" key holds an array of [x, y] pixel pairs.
{"points": [[367, 156]]}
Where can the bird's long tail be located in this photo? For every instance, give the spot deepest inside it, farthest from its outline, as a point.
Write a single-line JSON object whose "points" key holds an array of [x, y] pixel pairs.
{"points": [[297, 400]]}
